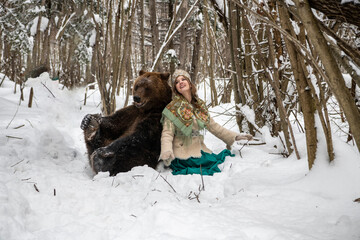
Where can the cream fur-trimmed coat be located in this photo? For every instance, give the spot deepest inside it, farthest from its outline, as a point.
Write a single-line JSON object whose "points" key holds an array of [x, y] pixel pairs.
{"points": [[173, 146]]}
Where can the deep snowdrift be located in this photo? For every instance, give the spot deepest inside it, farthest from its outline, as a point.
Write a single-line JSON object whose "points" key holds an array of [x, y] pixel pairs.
{"points": [[47, 190]]}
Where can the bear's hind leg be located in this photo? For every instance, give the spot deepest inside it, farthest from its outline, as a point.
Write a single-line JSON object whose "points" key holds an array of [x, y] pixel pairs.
{"points": [[102, 160]]}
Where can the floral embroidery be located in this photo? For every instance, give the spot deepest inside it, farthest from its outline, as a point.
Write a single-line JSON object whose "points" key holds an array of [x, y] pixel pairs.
{"points": [[181, 112], [200, 114], [185, 112]]}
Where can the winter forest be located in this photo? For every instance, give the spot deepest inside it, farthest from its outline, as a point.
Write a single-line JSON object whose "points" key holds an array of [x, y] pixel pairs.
{"points": [[285, 71]]}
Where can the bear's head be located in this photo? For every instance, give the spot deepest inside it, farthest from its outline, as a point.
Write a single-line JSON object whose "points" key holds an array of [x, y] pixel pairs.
{"points": [[151, 91]]}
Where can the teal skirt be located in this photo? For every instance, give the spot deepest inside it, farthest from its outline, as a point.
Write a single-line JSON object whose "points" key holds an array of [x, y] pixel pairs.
{"points": [[208, 161]]}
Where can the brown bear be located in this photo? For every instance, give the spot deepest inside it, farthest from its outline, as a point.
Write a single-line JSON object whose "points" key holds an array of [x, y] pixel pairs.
{"points": [[131, 136]]}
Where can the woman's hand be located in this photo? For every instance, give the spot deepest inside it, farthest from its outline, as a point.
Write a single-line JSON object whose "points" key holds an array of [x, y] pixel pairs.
{"points": [[167, 157], [244, 136]]}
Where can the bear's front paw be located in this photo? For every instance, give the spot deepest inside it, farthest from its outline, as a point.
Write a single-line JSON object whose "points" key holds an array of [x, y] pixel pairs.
{"points": [[102, 160], [90, 121]]}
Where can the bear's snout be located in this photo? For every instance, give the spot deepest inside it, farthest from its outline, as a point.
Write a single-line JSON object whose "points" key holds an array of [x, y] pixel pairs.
{"points": [[137, 99]]}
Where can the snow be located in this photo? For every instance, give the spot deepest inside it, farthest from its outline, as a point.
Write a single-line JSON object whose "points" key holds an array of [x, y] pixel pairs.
{"points": [[289, 2], [44, 23], [47, 190], [350, 1], [92, 39], [295, 26], [348, 80], [171, 53]]}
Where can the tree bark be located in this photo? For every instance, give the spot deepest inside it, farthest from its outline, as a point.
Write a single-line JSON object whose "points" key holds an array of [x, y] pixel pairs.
{"points": [[221, 14], [238, 94], [142, 36], [344, 12], [37, 42], [336, 80], [194, 69], [249, 76], [306, 101], [183, 36], [171, 43], [345, 63], [154, 31], [214, 99]]}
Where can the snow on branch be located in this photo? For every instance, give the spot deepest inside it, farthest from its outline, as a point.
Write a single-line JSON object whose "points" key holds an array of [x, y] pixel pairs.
{"points": [[169, 36], [64, 24]]}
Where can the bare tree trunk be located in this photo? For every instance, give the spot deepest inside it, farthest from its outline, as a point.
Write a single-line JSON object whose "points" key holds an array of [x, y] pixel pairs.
{"points": [[183, 36], [249, 77], [129, 78], [171, 44], [306, 101], [170, 34], [45, 53], [211, 66], [336, 80], [274, 82], [142, 36], [194, 69], [53, 49], [116, 43], [235, 62], [37, 42], [127, 50], [154, 30]]}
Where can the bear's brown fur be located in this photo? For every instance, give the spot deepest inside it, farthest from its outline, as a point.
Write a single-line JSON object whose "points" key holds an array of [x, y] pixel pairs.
{"points": [[131, 136]]}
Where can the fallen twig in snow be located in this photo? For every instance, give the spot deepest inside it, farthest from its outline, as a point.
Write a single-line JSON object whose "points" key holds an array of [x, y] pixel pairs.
{"points": [[30, 123], [202, 179], [18, 163], [112, 183], [48, 89], [284, 154], [196, 196], [17, 109], [242, 148], [201, 188], [36, 187], [13, 137], [3, 79], [19, 126], [253, 144], [167, 182], [135, 176]]}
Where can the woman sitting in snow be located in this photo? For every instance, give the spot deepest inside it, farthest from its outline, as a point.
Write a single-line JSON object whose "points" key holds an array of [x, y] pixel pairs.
{"points": [[182, 142]]}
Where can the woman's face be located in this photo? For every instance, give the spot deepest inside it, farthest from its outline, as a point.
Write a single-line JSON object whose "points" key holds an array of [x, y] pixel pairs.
{"points": [[182, 85]]}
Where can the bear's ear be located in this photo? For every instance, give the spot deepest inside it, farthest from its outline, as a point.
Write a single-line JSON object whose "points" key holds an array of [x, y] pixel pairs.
{"points": [[164, 76], [142, 72]]}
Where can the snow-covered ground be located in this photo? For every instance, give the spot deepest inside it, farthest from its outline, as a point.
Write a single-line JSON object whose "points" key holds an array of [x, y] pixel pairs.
{"points": [[48, 191]]}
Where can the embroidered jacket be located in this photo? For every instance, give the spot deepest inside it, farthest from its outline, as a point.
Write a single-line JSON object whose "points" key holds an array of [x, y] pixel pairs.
{"points": [[182, 125]]}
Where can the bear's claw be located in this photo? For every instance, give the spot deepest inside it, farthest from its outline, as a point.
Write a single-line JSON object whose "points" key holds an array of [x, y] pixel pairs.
{"points": [[90, 120]]}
